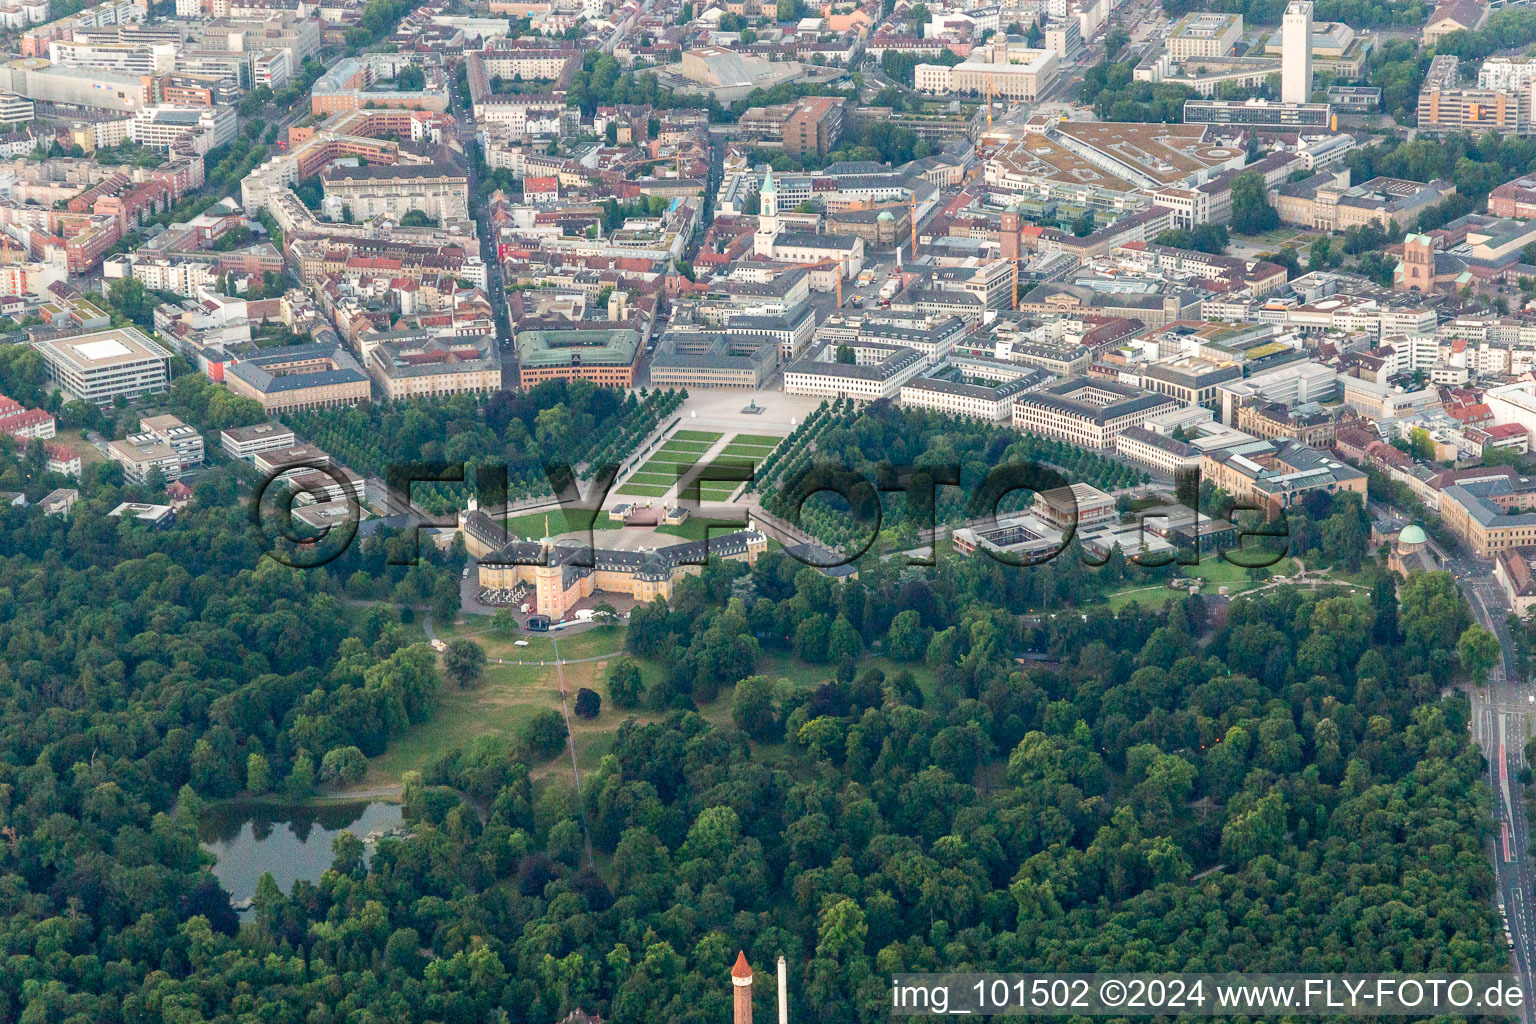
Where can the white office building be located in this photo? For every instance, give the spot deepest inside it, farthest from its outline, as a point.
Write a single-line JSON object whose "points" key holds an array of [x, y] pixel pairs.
{"points": [[247, 442], [100, 366], [160, 127]]}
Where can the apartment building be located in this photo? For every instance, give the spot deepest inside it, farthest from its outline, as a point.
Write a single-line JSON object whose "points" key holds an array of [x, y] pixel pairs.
{"points": [[1445, 105], [437, 190], [164, 126], [815, 126]]}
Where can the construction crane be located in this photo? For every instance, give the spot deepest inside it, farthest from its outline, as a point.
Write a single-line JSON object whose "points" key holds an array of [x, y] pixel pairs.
{"points": [[829, 263], [911, 204]]}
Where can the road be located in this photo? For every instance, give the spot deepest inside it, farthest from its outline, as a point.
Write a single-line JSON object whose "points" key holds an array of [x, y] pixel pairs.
{"points": [[481, 210], [1500, 723], [1500, 716]]}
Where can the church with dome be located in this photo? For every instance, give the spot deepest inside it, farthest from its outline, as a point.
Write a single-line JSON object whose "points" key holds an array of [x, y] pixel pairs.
{"points": [[1410, 551], [773, 242]]}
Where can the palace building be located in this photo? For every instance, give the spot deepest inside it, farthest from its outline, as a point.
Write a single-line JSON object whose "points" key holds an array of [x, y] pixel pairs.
{"points": [[562, 573]]}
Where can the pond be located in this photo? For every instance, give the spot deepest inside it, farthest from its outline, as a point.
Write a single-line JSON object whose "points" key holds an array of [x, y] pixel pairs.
{"points": [[290, 842]]}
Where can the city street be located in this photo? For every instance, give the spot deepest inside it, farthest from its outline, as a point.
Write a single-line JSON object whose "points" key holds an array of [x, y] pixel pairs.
{"points": [[1500, 726]]}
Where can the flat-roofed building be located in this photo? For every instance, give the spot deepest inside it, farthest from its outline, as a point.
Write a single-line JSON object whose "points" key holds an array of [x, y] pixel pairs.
{"points": [[1354, 99], [279, 463], [1088, 412], [1261, 114], [1190, 379], [165, 127], [246, 442], [171, 431], [1076, 505], [103, 365], [141, 455], [603, 356], [1010, 69], [300, 377], [1446, 105], [313, 487], [15, 109], [816, 126], [157, 516], [714, 359], [1203, 34]]}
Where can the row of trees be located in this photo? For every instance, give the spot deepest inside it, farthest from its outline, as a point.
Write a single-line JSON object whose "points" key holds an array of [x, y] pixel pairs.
{"points": [[558, 421], [862, 439]]}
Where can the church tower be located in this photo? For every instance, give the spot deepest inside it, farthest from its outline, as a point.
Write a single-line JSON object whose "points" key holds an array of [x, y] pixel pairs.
{"points": [[767, 218], [741, 984], [1416, 273]]}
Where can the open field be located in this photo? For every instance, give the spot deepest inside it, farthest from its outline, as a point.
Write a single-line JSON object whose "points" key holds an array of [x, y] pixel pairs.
{"points": [[511, 692], [696, 435], [1145, 597], [643, 490], [696, 529], [75, 441], [507, 697], [674, 458], [771, 440], [754, 450], [560, 521]]}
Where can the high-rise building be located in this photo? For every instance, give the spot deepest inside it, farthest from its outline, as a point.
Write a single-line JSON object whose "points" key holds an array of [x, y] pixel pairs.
{"points": [[1296, 58]]}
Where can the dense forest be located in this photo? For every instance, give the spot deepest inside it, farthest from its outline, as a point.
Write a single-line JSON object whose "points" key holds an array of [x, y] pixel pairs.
{"points": [[1281, 790]]}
